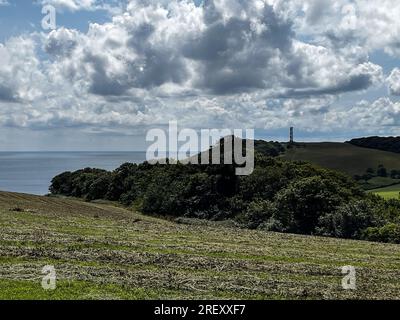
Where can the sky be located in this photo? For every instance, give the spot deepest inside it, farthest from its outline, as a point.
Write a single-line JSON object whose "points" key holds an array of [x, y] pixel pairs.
{"points": [[112, 70]]}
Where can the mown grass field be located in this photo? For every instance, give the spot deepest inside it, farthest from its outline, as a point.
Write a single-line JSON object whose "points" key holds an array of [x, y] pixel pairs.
{"points": [[344, 157], [391, 192], [101, 251]]}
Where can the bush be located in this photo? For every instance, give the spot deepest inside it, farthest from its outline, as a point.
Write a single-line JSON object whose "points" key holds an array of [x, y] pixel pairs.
{"points": [[388, 233], [301, 205], [62, 184], [258, 212], [381, 172], [99, 187], [348, 221]]}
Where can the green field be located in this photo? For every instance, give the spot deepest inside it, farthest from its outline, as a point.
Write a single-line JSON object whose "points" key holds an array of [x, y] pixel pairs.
{"points": [[344, 157], [391, 192], [378, 182], [101, 251]]}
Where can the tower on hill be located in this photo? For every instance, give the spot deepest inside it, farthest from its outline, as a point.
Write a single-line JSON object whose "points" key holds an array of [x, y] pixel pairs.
{"points": [[291, 135]]}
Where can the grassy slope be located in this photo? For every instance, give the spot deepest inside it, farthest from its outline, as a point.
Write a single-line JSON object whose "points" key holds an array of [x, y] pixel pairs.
{"points": [[344, 157], [102, 251], [391, 192]]}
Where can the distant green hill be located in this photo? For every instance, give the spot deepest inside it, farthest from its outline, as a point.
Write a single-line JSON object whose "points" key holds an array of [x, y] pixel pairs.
{"points": [[391, 192], [345, 157], [391, 144]]}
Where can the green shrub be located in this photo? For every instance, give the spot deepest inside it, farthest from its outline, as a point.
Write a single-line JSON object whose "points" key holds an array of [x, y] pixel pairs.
{"points": [[303, 202], [99, 187], [348, 221], [258, 212], [388, 233]]}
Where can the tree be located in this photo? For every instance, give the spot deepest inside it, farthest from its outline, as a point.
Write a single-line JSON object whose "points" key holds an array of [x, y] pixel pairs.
{"points": [[371, 171], [62, 184], [388, 233], [302, 204], [382, 172], [348, 221], [395, 174], [259, 212], [279, 195], [99, 187]]}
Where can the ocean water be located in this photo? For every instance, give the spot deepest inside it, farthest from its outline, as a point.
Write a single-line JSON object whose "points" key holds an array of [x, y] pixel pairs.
{"points": [[31, 172]]}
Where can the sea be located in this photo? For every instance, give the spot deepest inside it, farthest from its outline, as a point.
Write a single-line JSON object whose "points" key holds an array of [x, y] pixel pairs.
{"points": [[32, 172]]}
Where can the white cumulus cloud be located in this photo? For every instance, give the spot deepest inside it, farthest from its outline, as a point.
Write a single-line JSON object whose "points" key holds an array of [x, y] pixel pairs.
{"points": [[222, 64]]}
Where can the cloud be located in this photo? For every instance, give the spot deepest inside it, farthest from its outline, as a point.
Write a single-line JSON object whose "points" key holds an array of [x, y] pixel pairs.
{"points": [[393, 82], [381, 116], [61, 42], [372, 24], [7, 94], [72, 5], [219, 49], [224, 64], [317, 70], [235, 54], [112, 6], [19, 71]]}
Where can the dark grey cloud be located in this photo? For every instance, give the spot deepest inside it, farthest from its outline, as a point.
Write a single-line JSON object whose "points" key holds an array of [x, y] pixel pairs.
{"points": [[353, 83], [233, 55], [317, 10], [102, 83], [60, 47], [153, 66], [7, 94]]}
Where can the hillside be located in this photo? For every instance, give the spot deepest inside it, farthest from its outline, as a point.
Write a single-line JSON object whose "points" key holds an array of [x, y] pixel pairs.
{"points": [[391, 144], [103, 251], [391, 192], [344, 157]]}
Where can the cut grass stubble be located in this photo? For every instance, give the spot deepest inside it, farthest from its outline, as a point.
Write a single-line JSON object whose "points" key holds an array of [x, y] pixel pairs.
{"points": [[101, 251]]}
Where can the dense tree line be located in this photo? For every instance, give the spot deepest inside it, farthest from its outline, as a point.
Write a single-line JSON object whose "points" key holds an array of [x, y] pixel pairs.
{"points": [[279, 195], [271, 148], [380, 172], [391, 144]]}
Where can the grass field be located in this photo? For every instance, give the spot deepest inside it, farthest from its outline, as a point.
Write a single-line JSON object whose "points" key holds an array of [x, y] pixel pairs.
{"points": [[101, 251], [378, 182], [344, 157], [391, 192]]}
